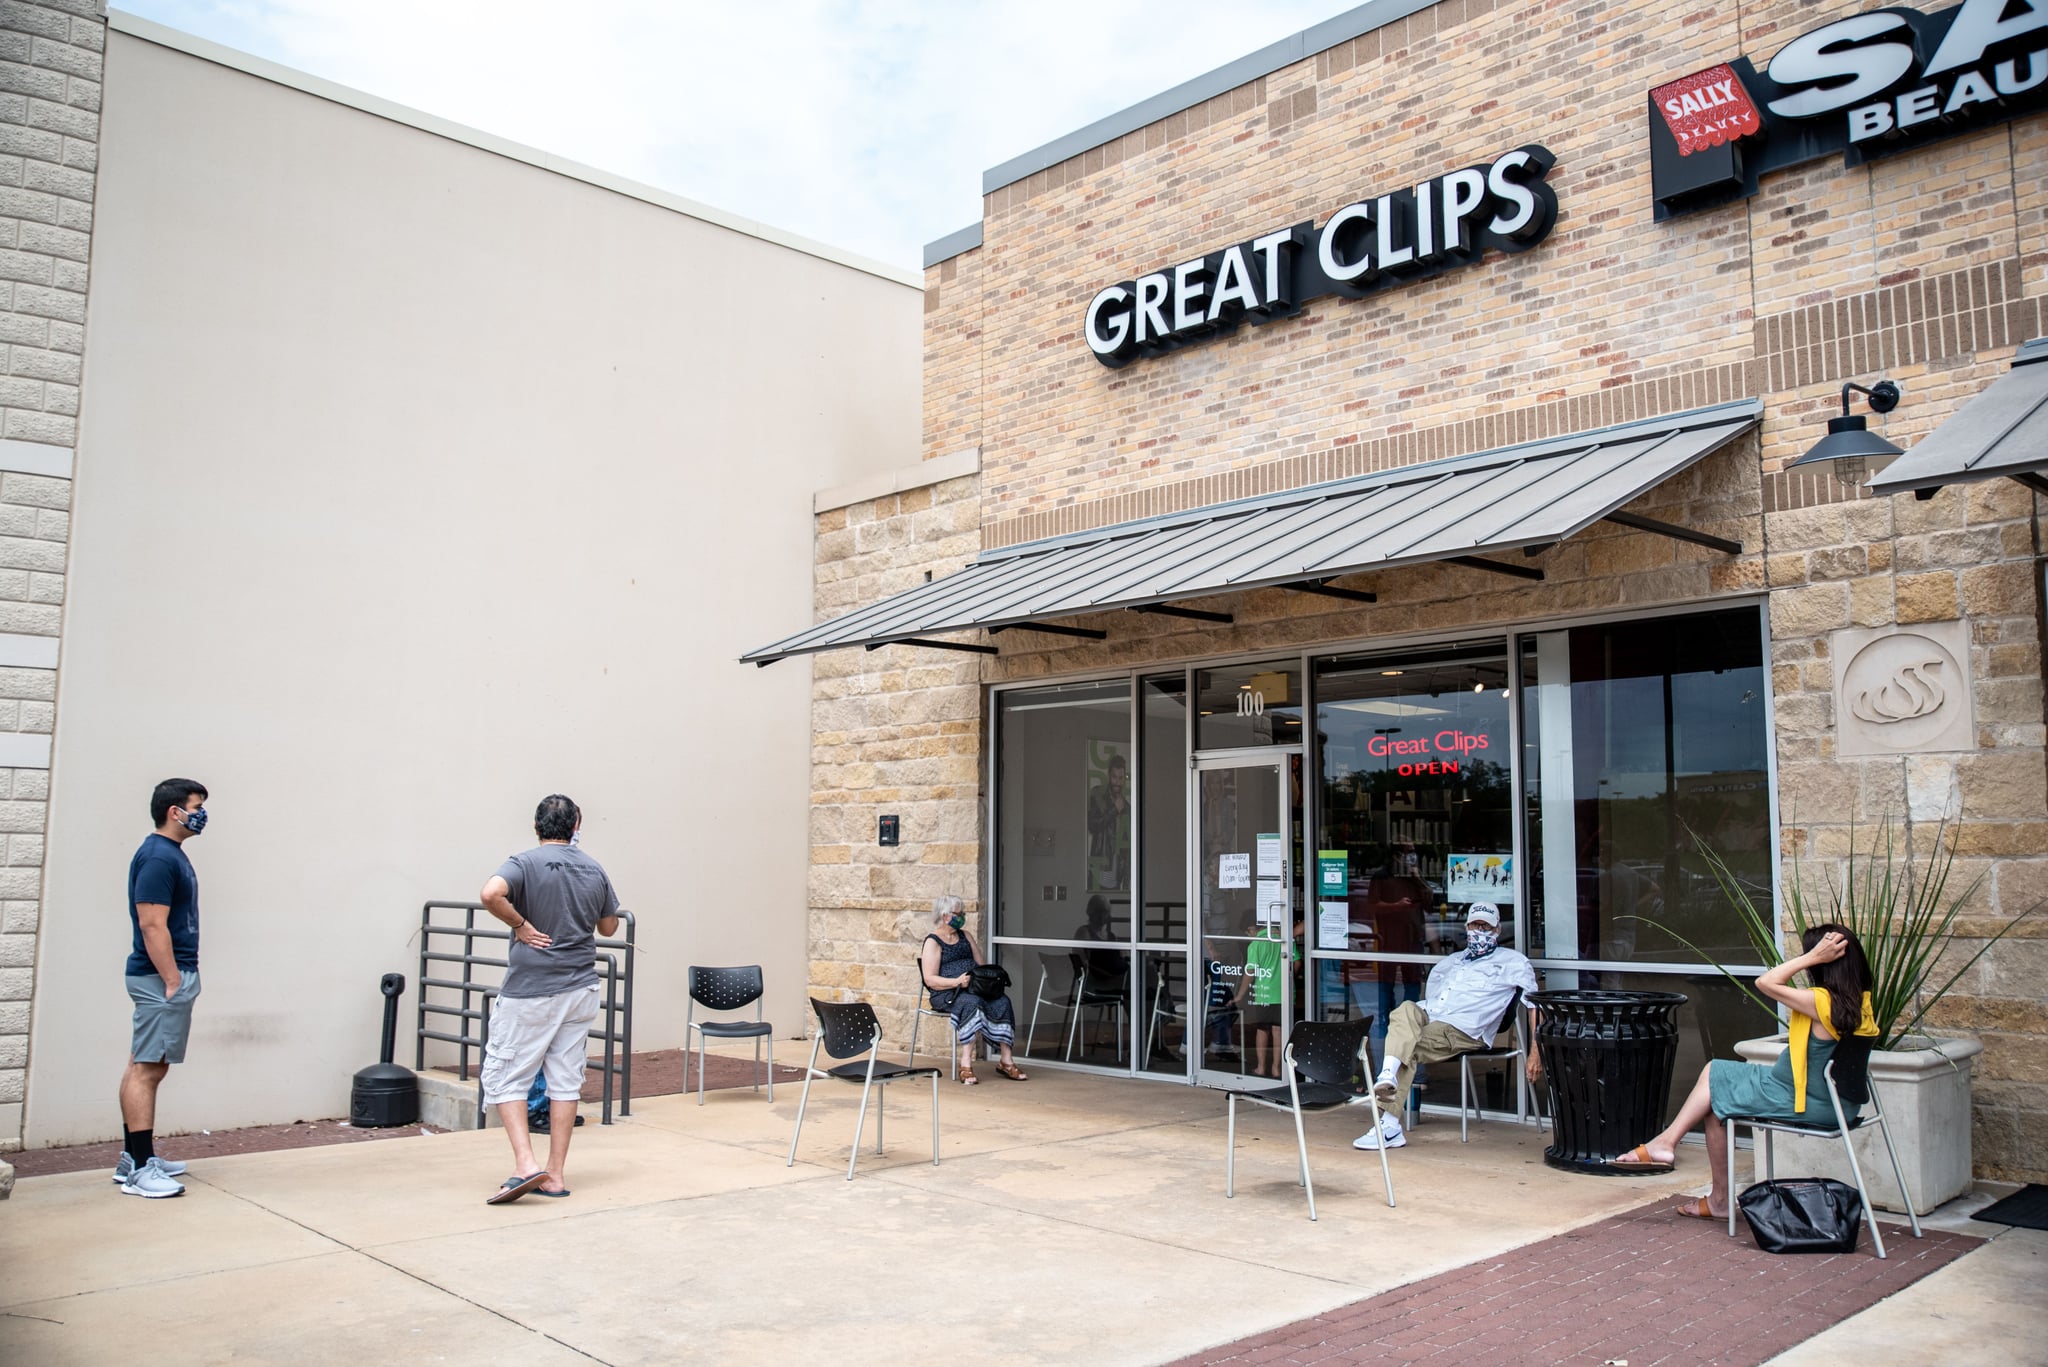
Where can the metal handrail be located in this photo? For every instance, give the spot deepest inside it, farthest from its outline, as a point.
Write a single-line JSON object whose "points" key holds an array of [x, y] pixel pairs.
{"points": [[615, 963]]}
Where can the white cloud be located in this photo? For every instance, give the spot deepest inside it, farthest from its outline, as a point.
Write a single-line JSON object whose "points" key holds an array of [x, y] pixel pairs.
{"points": [[864, 126]]}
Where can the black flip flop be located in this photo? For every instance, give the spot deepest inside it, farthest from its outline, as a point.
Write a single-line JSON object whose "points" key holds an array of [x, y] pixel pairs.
{"points": [[515, 1187], [543, 1191]]}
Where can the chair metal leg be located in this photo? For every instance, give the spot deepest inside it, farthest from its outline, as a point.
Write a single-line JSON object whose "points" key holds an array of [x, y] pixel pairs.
{"points": [[771, 1072], [881, 1111], [1230, 1154], [1386, 1169], [916, 1020], [1729, 1128], [1464, 1095], [1770, 1153], [809, 1071], [757, 1063], [1856, 1171], [1073, 1019], [1898, 1174], [860, 1124], [1300, 1134], [935, 1120]]}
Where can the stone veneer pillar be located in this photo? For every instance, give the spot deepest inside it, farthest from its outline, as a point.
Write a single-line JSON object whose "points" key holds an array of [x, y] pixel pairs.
{"points": [[50, 64]]}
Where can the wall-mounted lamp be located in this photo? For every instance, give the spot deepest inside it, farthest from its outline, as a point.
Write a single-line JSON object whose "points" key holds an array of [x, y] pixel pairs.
{"points": [[1849, 444]]}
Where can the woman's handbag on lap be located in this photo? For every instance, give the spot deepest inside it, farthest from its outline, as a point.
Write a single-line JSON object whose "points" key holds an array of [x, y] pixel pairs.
{"points": [[1803, 1215], [988, 981]]}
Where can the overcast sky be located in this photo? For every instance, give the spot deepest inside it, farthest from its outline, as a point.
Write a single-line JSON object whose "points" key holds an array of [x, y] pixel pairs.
{"points": [[866, 126]]}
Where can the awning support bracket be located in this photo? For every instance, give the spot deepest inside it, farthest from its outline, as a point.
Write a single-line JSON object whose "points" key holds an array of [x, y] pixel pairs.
{"points": [[1192, 614], [2033, 479], [1639, 523], [1053, 629], [1481, 563], [1327, 590], [935, 645]]}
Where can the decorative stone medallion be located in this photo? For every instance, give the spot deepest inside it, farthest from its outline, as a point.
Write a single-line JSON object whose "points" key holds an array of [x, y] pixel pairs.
{"points": [[1903, 690]]}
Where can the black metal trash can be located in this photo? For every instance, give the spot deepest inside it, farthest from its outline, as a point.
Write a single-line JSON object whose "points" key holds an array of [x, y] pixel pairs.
{"points": [[1608, 1059]]}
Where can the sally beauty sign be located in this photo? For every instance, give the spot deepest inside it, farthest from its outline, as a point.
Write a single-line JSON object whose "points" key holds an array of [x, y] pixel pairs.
{"points": [[1868, 85], [1451, 220]]}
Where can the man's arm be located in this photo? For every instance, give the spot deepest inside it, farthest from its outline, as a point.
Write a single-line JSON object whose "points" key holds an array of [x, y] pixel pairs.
{"points": [[497, 900], [608, 924], [155, 920]]}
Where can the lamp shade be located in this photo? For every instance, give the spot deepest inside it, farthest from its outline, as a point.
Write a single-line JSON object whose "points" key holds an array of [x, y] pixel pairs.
{"points": [[1848, 438]]}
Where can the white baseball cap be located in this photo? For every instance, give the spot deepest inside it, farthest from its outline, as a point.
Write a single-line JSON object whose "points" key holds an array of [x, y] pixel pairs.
{"points": [[1483, 911]]}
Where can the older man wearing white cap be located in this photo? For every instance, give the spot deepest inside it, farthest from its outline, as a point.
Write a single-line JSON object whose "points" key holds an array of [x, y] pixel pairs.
{"points": [[1465, 1002]]}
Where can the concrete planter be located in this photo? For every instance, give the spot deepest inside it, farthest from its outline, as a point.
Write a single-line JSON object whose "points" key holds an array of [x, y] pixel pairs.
{"points": [[1926, 1099]]}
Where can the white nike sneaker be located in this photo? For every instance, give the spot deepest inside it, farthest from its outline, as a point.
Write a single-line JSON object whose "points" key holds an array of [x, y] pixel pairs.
{"points": [[124, 1168], [1387, 1136]]}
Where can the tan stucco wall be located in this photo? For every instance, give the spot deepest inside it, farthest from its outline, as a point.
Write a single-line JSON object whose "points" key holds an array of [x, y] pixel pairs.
{"points": [[417, 482]]}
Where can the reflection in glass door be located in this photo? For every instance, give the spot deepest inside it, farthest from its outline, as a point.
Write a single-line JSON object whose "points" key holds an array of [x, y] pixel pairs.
{"points": [[1245, 884]]}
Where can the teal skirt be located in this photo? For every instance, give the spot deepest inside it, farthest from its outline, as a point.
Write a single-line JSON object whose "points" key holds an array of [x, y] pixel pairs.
{"points": [[1764, 1090]]}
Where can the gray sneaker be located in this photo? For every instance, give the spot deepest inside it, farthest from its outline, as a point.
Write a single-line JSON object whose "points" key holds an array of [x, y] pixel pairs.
{"points": [[152, 1181], [124, 1168]]}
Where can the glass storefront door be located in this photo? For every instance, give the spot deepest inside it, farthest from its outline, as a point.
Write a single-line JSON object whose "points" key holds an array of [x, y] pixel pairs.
{"points": [[1248, 950]]}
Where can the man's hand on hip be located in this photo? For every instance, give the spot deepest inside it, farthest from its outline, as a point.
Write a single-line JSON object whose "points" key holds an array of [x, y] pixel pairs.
{"points": [[530, 934]]}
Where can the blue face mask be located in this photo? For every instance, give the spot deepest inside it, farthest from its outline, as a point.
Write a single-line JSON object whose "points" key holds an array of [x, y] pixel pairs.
{"points": [[195, 820], [1480, 943], [957, 920]]}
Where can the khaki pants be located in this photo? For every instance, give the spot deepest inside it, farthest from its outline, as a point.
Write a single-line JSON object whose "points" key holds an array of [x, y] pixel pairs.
{"points": [[1413, 1038]]}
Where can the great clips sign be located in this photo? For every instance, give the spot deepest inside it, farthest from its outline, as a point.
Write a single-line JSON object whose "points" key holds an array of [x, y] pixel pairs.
{"points": [[1867, 86], [1402, 235]]}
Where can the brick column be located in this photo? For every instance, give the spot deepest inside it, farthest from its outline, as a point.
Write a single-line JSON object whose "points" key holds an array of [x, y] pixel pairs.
{"points": [[50, 61]]}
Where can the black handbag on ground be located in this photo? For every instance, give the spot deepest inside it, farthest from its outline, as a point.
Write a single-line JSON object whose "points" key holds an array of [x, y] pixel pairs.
{"points": [[1803, 1215], [988, 981]]}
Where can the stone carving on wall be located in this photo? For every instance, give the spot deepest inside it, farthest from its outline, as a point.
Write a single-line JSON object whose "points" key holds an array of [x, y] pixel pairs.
{"points": [[1903, 690]]}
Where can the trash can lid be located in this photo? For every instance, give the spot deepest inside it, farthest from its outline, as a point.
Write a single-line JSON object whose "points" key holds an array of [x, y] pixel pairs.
{"points": [[1597, 997]]}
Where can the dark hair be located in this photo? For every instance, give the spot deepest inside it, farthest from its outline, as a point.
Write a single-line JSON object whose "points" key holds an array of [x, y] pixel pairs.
{"points": [[1845, 980], [172, 792], [1098, 910], [555, 818]]}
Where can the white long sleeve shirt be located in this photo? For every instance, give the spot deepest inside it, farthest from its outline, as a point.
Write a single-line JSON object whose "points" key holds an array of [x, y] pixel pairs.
{"points": [[1470, 994]]}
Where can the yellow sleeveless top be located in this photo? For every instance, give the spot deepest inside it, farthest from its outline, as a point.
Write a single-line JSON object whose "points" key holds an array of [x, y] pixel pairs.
{"points": [[1802, 1032]]}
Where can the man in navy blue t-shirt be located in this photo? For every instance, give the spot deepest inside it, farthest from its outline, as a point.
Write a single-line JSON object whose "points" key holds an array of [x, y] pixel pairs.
{"points": [[163, 978]]}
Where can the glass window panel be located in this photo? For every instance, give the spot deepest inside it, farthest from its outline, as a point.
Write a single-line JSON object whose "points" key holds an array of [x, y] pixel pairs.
{"points": [[1163, 851], [1064, 811], [1245, 705], [1073, 1005], [1163, 1013], [1414, 800], [1639, 737]]}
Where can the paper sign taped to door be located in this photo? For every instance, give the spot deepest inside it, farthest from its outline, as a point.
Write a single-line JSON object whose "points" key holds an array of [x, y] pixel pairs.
{"points": [[1272, 901], [1234, 871], [1271, 863], [1333, 924]]}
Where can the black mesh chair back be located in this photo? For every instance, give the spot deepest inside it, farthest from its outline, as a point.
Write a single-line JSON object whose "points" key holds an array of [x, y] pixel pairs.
{"points": [[1852, 1068], [1332, 1054], [726, 989], [846, 1028]]}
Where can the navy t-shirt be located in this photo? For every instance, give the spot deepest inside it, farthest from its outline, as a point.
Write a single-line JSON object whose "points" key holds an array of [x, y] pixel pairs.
{"points": [[161, 875]]}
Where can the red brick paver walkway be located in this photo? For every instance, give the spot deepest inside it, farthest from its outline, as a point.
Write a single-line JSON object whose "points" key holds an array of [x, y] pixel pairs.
{"points": [[1648, 1287]]}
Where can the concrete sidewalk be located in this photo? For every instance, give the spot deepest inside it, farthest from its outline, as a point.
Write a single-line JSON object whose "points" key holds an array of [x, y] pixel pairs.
{"points": [[1073, 1220]]}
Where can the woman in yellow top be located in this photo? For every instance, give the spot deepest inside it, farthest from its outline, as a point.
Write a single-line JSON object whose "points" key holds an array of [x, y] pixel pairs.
{"points": [[1836, 1006]]}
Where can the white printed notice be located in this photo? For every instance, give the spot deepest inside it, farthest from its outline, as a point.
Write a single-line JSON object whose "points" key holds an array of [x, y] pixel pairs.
{"points": [[1271, 863], [1481, 878], [1333, 924], [1272, 902], [1234, 871]]}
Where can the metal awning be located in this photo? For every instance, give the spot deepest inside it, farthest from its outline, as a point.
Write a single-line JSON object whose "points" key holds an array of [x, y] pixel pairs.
{"points": [[1530, 495], [2003, 431]]}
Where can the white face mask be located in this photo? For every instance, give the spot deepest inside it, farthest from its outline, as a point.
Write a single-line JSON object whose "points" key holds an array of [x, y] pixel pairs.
{"points": [[576, 836], [1480, 943]]}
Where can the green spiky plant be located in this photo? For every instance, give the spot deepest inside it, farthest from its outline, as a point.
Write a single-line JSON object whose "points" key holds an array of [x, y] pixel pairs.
{"points": [[1903, 911]]}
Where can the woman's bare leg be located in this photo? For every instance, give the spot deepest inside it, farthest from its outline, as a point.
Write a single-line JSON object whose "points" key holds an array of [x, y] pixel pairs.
{"points": [[1717, 1159], [1698, 1106]]}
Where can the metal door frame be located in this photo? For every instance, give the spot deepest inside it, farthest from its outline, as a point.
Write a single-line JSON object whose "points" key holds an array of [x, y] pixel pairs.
{"points": [[1273, 758]]}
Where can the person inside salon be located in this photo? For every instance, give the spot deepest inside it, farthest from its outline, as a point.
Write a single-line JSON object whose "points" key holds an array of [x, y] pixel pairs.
{"points": [[1464, 1003]]}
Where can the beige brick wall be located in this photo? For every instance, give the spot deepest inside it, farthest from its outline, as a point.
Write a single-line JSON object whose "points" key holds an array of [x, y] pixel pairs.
{"points": [[1928, 268], [50, 56]]}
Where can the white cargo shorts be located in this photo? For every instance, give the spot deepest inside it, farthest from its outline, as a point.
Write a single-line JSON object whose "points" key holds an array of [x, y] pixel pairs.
{"points": [[531, 1033]]}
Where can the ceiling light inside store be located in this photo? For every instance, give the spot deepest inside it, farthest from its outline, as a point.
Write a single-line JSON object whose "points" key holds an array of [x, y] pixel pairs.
{"points": [[1479, 688], [1386, 707], [1389, 673]]}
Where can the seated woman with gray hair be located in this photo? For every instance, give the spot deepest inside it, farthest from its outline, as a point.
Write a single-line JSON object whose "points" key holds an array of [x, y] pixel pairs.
{"points": [[947, 960]]}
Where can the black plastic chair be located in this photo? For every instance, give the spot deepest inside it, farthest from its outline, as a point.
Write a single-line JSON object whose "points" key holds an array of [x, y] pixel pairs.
{"points": [[847, 1030], [1847, 1074], [728, 989], [1112, 997], [1325, 1067], [1516, 1021]]}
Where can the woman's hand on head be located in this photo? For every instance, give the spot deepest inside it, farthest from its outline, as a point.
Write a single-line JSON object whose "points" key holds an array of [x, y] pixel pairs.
{"points": [[1832, 946]]}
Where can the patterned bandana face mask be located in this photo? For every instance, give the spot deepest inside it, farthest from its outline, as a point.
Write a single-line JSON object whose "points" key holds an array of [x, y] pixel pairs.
{"points": [[1480, 943]]}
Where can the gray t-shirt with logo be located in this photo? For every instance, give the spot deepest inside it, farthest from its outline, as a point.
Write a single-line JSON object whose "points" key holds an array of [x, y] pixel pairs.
{"points": [[565, 893]]}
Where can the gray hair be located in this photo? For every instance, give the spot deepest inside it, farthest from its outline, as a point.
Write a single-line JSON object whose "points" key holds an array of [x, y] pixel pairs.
{"points": [[943, 908]]}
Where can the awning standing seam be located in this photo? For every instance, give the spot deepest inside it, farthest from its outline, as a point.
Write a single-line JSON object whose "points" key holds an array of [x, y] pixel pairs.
{"points": [[1527, 495], [2003, 431]]}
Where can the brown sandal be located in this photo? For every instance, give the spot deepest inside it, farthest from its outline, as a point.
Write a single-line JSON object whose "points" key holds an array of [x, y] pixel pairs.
{"points": [[1011, 1071], [1697, 1209], [967, 1077]]}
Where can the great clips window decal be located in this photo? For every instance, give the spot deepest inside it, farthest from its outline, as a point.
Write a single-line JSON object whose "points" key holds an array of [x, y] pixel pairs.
{"points": [[1866, 86]]}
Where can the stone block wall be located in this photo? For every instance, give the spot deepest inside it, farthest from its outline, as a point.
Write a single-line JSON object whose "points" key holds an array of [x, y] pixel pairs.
{"points": [[50, 70], [895, 731]]}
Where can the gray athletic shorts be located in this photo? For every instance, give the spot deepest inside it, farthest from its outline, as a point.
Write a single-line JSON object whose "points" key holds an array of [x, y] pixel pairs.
{"points": [[536, 1034], [161, 1026]]}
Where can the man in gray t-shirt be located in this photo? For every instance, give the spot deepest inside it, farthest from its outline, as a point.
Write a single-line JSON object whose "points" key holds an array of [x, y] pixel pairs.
{"points": [[557, 901]]}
